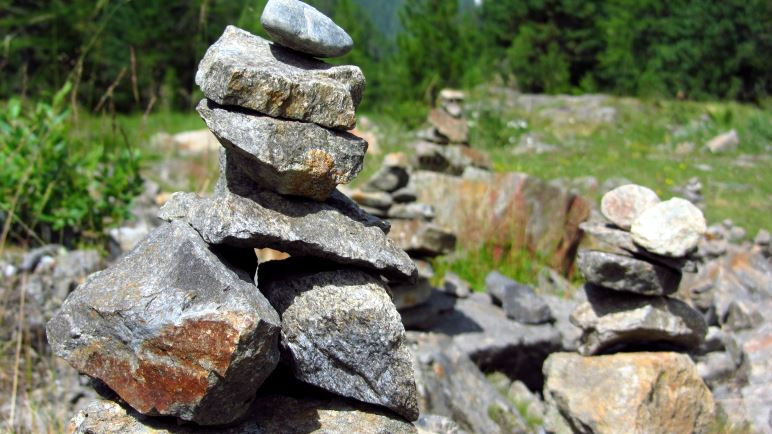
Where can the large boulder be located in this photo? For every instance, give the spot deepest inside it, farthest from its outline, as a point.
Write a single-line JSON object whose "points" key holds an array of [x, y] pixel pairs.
{"points": [[301, 27], [173, 329], [626, 393], [245, 70], [289, 157], [512, 209], [341, 332], [623, 273], [300, 227]]}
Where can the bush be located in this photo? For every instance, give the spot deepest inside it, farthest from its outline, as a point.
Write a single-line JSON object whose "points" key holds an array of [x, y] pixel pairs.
{"points": [[53, 187]]}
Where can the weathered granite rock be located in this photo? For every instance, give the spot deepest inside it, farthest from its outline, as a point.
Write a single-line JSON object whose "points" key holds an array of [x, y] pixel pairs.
{"points": [[271, 414], [449, 384], [172, 329], [341, 332], [289, 157], [411, 211], [301, 27], [421, 238], [454, 285], [450, 159], [622, 273], [433, 423], [511, 209], [519, 301], [670, 228], [611, 320], [626, 393], [295, 226], [561, 309], [245, 70], [623, 204], [388, 179], [456, 130]]}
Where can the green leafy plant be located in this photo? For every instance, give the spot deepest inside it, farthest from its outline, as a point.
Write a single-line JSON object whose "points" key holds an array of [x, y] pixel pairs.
{"points": [[52, 186]]}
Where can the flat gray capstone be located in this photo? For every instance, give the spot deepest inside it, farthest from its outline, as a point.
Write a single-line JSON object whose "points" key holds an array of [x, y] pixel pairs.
{"points": [[341, 332], [521, 302], [301, 27], [289, 157], [623, 273], [172, 329], [623, 204], [298, 227], [611, 320], [245, 70], [671, 228]]}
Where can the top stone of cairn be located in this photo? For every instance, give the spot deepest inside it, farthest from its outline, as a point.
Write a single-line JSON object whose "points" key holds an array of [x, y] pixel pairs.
{"points": [[299, 26]]}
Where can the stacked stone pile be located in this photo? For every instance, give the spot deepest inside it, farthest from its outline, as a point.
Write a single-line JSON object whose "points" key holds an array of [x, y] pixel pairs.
{"points": [[188, 326], [632, 267]]}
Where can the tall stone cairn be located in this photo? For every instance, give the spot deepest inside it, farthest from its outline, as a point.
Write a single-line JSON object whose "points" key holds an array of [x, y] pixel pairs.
{"points": [[189, 326], [631, 375]]}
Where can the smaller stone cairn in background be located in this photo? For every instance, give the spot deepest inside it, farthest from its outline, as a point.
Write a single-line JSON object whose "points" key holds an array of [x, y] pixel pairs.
{"points": [[633, 331]]}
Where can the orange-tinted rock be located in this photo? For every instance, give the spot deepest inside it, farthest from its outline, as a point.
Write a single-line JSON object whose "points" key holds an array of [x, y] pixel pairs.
{"points": [[456, 130]]}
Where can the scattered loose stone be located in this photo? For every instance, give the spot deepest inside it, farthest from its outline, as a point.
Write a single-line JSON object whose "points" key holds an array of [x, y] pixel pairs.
{"points": [[172, 329], [519, 301], [411, 211], [456, 130], [341, 332], [623, 204], [421, 238], [727, 142], [611, 320], [454, 285], [622, 273], [301, 27], [388, 179], [296, 226], [289, 157], [373, 199], [245, 70], [634, 392], [671, 228]]}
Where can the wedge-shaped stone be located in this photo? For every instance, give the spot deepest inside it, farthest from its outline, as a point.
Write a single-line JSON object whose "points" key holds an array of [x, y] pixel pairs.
{"points": [[623, 273], [289, 157], [172, 329], [301, 27], [245, 70], [341, 332], [300, 227], [611, 321]]}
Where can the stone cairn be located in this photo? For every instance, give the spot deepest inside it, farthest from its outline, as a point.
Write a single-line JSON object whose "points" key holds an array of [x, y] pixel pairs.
{"points": [[632, 330], [188, 326]]}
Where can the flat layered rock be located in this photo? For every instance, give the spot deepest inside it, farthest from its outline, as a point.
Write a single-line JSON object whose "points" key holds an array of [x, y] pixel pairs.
{"points": [[623, 273], [411, 211], [671, 228], [626, 393], [624, 204], [245, 70], [612, 321], [299, 227], [271, 414], [450, 159], [172, 329], [289, 157], [519, 301], [388, 179], [456, 130], [341, 332], [301, 27], [422, 238]]}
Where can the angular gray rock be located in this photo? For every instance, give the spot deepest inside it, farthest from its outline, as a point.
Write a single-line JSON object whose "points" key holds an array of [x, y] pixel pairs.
{"points": [[426, 314], [622, 273], [341, 332], [373, 199], [421, 238], [450, 159], [245, 70], [406, 195], [300, 227], [410, 295], [611, 321], [519, 301], [623, 204], [271, 414], [671, 228], [411, 211], [388, 179], [172, 329], [289, 157], [301, 27], [454, 285]]}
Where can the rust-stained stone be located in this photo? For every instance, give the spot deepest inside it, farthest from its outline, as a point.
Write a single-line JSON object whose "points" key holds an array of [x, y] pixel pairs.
{"points": [[172, 329]]}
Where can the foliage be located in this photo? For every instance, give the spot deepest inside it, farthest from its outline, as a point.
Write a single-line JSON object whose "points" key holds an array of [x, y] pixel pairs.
{"points": [[51, 186]]}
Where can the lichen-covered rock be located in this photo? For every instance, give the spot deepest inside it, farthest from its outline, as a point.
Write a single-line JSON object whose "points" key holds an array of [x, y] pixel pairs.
{"points": [[623, 204], [628, 393], [271, 414], [300, 227], [671, 228], [341, 332], [289, 157], [172, 329], [623, 273], [612, 320], [301, 27], [245, 70]]}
